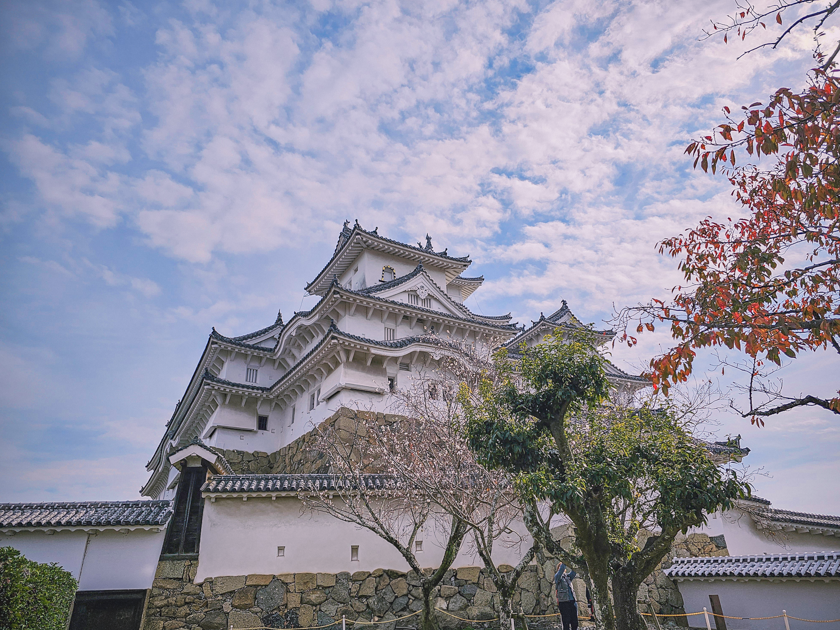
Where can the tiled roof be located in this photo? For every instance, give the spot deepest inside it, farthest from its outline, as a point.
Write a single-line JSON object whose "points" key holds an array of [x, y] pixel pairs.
{"points": [[799, 519], [219, 453], [347, 234], [247, 484], [801, 565], [278, 324], [85, 514], [234, 341]]}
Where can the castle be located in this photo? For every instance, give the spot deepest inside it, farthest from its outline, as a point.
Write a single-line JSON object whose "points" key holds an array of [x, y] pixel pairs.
{"points": [[223, 541]]}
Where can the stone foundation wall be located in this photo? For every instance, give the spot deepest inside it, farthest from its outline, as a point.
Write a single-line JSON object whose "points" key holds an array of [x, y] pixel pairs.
{"points": [[659, 591], [302, 600], [300, 456]]}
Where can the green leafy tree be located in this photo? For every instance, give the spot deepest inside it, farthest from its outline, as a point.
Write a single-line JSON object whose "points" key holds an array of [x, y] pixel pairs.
{"points": [[615, 472], [33, 596]]}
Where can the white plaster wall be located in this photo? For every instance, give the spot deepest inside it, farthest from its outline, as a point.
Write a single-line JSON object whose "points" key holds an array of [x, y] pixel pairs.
{"points": [[744, 538], [241, 537], [64, 548], [117, 560], [112, 561], [763, 598]]}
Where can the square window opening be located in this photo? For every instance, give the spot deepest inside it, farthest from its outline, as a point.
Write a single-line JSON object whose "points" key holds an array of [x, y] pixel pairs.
{"points": [[418, 545], [281, 552], [354, 553], [251, 375], [262, 423], [390, 334], [392, 384]]}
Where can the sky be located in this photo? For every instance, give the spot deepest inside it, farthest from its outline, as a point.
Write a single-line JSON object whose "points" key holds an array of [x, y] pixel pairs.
{"points": [[168, 167]]}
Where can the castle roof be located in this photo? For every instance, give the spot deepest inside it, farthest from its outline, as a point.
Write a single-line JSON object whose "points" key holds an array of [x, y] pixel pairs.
{"points": [[269, 484], [351, 242], [85, 514], [799, 565]]}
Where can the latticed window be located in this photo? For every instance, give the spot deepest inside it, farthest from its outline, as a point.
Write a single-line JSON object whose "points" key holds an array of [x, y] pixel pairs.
{"points": [[414, 299], [182, 536], [251, 375], [390, 333]]}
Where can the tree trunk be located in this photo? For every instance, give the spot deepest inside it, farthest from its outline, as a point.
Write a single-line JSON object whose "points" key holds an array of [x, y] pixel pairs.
{"points": [[427, 618], [627, 616], [604, 614]]}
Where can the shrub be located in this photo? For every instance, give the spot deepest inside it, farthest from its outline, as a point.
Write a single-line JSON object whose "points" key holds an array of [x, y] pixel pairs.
{"points": [[33, 596]]}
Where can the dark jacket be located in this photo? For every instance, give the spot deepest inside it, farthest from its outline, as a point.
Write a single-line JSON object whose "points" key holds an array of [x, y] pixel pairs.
{"points": [[563, 584]]}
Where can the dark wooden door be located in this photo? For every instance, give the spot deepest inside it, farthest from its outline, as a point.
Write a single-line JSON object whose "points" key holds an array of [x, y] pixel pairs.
{"points": [[108, 610]]}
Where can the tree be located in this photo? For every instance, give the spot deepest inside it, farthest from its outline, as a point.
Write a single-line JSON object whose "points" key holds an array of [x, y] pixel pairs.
{"points": [[767, 284], [387, 504], [33, 596], [435, 456], [611, 470]]}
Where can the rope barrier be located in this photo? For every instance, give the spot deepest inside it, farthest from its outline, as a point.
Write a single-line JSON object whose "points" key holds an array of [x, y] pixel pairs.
{"points": [[364, 622]]}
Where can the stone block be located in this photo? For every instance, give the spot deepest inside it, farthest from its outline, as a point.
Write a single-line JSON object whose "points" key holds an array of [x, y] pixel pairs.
{"points": [[305, 582], [173, 625], [360, 576], [191, 589], [272, 596], [330, 607], [400, 587], [457, 603], [474, 612], [222, 585], [529, 581], [358, 606], [288, 578], [194, 618], [399, 603], [469, 574], [172, 569], [306, 616], [340, 593], [244, 598], [244, 619], [313, 597], [324, 619], [156, 624], [504, 568], [258, 580], [208, 592], [529, 602], [167, 584], [368, 587], [482, 599], [325, 579], [468, 590], [377, 572], [448, 591], [292, 600]]}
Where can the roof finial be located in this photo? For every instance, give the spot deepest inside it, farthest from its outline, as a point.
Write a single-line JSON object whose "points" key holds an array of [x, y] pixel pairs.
{"points": [[564, 304], [428, 243], [279, 319], [357, 224], [346, 223]]}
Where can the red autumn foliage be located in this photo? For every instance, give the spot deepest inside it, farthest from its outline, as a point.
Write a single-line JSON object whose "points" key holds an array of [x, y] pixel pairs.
{"points": [[767, 284]]}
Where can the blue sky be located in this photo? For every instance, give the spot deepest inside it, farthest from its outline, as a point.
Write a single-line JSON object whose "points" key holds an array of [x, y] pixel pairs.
{"points": [[169, 167]]}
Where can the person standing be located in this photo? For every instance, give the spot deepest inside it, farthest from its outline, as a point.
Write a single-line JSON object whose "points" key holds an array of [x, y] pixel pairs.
{"points": [[566, 597]]}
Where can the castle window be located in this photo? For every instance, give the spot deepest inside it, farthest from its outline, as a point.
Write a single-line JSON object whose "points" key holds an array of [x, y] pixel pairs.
{"points": [[388, 274], [262, 423], [405, 367], [392, 383], [427, 302], [312, 401], [281, 552], [390, 333], [184, 531], [251, 375], [418, 545], [293, 416], [354, 553], [414, 299]]}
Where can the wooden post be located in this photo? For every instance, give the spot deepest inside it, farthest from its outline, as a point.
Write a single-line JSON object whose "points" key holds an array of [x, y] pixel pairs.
{"points": [[787, 623], [655, 619], [720, 622], [706, 615]]}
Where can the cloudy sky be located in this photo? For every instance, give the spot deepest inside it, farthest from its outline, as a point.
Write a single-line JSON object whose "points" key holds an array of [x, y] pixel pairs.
{"points": [[168, 167]]}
